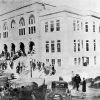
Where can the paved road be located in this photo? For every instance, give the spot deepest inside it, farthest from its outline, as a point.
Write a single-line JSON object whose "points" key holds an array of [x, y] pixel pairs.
{"points": [[91, 94]]}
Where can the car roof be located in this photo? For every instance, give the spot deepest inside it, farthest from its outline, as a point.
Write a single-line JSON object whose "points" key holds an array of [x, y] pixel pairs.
{"points": [[59, 82]]}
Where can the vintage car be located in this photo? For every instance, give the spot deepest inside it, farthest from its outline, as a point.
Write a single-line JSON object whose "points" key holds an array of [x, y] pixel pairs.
{"points": [[39, 92], [58, 91]]}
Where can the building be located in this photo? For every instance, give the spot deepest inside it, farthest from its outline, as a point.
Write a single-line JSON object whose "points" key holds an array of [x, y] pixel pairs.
{"points": [[61, 36]]}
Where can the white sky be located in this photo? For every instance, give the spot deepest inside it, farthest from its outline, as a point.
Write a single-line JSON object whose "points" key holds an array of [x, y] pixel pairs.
{"points": [[93, 5]]}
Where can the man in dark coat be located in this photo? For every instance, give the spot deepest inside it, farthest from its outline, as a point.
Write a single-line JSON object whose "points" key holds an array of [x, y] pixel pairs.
{"points": [[77, 81]]}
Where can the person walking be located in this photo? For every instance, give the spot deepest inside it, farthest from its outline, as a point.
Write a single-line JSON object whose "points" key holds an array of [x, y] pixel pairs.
{"points": [[77, 80]]}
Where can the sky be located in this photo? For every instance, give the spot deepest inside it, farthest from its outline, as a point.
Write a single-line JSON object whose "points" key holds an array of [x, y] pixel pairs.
{"points": [[93, 5]]}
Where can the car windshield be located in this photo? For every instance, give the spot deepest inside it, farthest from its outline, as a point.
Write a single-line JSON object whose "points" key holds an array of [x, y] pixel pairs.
{"points": [[59, 84]]}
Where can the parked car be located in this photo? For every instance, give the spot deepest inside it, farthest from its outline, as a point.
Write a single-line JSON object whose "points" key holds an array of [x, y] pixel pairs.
{"points": [[58, 91]]}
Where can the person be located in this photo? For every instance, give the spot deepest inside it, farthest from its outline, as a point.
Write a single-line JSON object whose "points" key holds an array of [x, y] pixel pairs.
{"points": [[92, 82], [60, 78], [73, 83], [77, 80], [53, 70], [84, 86]]}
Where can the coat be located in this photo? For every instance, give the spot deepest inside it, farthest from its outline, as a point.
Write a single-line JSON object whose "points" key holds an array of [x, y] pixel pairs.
{"points": [[84, 86]]}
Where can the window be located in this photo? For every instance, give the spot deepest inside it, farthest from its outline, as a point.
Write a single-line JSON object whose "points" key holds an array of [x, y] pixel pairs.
{"points": [[52, 46], [22, 22], [59, 62], [85, 61], [79, 60], [32, 27], [22, 31], [51, 26], [87, 45], [5, 30], [78, 45], [47, 46], [86, 26], [47, 60], [57, 25], [74, 25], [32, 19], [46, 26], [74, 45], [75, 61], [94, 60], [58, 46], [13, 23], [22, 26], [93, 26], [5, 34], [81, 25], [94, 45], [53, 61], [5, 27], [78, 25]]}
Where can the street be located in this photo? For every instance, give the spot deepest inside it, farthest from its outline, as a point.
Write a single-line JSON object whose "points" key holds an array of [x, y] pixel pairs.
{"points": [[91, 94]]}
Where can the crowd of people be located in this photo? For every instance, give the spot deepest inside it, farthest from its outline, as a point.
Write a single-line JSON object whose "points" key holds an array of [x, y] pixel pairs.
{"points": [[47, 69]]}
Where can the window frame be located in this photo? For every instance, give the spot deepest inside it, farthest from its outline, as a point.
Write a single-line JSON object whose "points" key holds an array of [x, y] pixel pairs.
{"points": [[52, 46], [21, 26], [58, 25], [47, 46], [52, 26], [58, 45]]}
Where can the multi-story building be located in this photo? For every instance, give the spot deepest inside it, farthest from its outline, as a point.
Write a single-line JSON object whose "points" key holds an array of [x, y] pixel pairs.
{"points": [[67, 38]]}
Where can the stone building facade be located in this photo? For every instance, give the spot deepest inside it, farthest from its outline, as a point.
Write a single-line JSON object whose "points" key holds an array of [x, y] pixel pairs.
{"points": [[61, 36]]}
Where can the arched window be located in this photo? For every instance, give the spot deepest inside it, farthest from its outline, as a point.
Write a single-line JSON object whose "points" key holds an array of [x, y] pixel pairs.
{"points": [[22, 22], [32, 19], [22, 26], [32, 27], [13, 23], [5, 30]]}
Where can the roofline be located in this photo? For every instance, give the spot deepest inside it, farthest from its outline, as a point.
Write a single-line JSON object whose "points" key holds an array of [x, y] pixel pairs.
{"points": [[16, 9], [25, 6], [72, 11], [54, 12]]}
